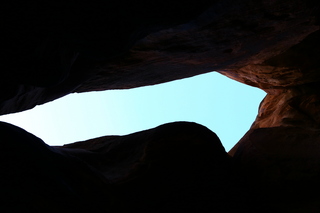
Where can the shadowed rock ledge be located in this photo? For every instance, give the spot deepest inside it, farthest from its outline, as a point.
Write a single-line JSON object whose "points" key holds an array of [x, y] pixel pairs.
{"points": [[53, 49], [176, 166]]}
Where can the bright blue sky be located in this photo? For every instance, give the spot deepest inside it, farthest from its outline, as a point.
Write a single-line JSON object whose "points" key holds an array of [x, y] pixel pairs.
{"points": [[223, 105]]}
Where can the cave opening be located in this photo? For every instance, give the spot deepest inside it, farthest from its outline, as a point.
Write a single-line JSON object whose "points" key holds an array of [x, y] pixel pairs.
{"points": [[225, 106]]}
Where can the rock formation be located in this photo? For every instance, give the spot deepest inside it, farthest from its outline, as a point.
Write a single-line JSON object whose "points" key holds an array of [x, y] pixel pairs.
{"points": [[51, 50]]}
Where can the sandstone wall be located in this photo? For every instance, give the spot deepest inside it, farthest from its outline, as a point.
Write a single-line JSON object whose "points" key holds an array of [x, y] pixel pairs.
{"points": [[51, 50]]}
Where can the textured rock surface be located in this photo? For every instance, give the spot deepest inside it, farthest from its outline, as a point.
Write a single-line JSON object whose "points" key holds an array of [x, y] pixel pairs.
{"points": [[174, 166], [97, 45], [282, 166], [115, 51]]}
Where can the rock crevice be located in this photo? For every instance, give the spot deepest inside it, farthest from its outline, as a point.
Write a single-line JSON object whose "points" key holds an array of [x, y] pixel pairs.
{"points": [[61, 48]]}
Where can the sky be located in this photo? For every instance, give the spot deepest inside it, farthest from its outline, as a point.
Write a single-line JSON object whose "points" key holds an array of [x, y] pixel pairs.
{"points": [[225, 106]]}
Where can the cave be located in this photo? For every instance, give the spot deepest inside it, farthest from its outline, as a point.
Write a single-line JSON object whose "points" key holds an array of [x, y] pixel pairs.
{"points": [[54, 49]]}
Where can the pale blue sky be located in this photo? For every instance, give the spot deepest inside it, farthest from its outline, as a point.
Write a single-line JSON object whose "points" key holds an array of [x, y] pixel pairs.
{"points": [[223, 105]]}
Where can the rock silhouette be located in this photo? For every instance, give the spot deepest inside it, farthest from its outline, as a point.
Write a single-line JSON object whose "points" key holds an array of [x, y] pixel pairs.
{"points": [[54, 49]]}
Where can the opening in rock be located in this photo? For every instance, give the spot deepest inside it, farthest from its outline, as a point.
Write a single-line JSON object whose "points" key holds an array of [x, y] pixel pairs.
{"points": [[223, 105]]}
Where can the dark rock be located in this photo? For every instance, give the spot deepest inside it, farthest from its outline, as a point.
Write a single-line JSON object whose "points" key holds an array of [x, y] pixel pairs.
{"points": [[174, 166], [281, 165], [38, 178], [53, 49], [43, 41], [124, 45]]}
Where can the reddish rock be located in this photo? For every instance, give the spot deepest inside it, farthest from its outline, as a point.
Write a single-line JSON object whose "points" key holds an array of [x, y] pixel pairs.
{"points": [[132, 47], [282, 166], [97, 45]]}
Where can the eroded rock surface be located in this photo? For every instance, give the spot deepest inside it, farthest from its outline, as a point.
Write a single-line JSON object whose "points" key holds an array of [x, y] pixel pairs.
{"points": [[98, 45], [124, 45]]}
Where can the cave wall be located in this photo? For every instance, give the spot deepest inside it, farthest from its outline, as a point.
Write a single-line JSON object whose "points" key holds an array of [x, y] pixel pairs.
{"points": [[231, 37], [51, 50]]}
